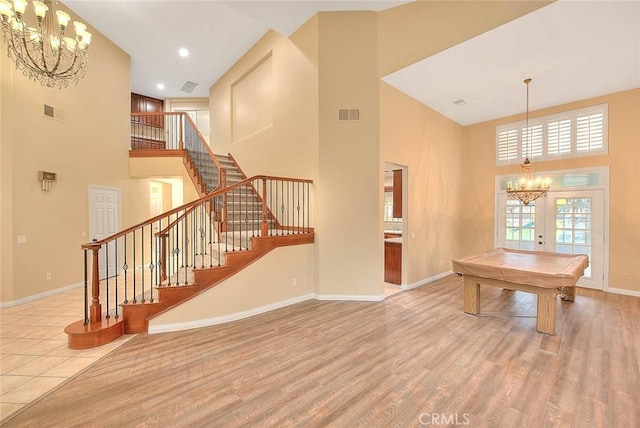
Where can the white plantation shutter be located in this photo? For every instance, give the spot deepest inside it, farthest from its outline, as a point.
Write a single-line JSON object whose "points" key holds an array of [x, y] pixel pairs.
{"points": [[559, 137], [507, 145], [573, 133], [532, 148], [589, 132]]}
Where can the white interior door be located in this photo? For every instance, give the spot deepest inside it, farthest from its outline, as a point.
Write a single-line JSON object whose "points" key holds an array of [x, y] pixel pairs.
{"points": [[561, 222], [104, 221]]}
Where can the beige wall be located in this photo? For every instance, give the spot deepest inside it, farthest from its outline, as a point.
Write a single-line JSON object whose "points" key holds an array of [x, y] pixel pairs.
{"points": [[288, 146], [170, 168], [476, 226], [266, 282], [429, 145], [350, 251], [89, 147], [417, 30]]}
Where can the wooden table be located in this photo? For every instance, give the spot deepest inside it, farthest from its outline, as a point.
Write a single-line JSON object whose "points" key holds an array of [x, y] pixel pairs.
{"points": [[542, 273]]}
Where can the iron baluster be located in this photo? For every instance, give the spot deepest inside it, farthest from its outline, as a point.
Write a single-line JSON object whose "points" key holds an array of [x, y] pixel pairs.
{"points": [[86, 291], [142, 271], [117, 274], [282, 216], [106, 261], [134, 269], [298, 206], [125, 267], [151, 264]]}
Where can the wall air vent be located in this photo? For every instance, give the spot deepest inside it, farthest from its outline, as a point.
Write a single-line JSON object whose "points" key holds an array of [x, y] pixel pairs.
{"points": [[188, 86], [349, 114], [52, 113]]}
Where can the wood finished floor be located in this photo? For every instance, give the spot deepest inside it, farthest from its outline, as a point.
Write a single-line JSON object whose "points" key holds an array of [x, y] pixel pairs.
{"points": [[412, 360]]}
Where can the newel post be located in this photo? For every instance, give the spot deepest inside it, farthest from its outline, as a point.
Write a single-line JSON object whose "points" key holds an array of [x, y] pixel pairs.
{"points": [[264, 227], [95, 310]]}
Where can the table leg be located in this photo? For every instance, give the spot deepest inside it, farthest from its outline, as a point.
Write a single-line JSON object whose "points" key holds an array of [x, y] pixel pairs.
{"points": [[568, 293], [547, 309], [471, 296]]}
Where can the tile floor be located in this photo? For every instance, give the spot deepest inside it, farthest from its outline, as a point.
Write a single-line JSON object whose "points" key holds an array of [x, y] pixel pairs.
{"points": [[34, 357]]}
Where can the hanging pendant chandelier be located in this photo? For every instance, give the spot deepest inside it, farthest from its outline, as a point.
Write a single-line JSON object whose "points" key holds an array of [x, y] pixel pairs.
{"points": [[44, 53], [528, 188]]}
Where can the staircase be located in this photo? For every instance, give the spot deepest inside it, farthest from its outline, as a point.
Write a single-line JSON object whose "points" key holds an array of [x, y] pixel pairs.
{"points": [[172, 257]]}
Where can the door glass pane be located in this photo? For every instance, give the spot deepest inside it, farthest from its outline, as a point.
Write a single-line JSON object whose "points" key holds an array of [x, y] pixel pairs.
{"points": [[520, 225], [573, 227]]}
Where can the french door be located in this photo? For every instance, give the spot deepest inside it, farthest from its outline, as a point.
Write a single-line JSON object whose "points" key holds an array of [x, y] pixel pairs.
{"points": [[561, 222]]}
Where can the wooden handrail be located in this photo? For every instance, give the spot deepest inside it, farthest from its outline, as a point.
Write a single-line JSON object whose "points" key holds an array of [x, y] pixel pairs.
{"points": [[174, 249], [204, 143], [174, 222], [191, 204]]}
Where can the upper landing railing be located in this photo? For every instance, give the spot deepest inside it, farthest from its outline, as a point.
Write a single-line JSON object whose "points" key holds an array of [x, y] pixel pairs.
{"points": [[176, 131]]}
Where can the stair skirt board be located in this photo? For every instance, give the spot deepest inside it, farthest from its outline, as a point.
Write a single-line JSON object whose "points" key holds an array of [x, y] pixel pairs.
{"points": [[207, 322]]}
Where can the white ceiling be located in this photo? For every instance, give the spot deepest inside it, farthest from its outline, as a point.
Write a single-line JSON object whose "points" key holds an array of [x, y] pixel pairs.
{"points": [[572, 50], [217, 33]]}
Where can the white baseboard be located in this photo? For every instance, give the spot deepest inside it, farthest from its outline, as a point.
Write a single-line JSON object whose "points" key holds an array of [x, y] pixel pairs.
{"points": [[623, 291], [187, 325], [426, 281], [40, 295], [351, 297]]}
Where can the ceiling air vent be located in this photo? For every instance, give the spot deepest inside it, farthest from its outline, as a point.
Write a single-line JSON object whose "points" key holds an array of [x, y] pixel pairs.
{"points": [[349, 114], [188, 86]]}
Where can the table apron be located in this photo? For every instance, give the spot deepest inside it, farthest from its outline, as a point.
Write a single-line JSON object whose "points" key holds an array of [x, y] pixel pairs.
{"points": [[546, 305]]}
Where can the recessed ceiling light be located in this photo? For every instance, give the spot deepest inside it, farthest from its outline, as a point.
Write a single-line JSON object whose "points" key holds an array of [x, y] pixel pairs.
{"points": [[183, 52], [160, 86]]}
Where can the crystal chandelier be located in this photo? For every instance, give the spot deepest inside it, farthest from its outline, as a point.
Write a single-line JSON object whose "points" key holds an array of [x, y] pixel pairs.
{"points": [[528, 188], [45, 53]]}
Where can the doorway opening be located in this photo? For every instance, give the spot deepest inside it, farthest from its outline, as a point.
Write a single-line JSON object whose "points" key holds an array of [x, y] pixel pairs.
{"points": [[394, 213]]}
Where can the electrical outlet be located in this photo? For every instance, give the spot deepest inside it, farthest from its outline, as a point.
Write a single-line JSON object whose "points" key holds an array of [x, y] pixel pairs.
{"points": [[48, 276], [627, 276], [294, 282]]}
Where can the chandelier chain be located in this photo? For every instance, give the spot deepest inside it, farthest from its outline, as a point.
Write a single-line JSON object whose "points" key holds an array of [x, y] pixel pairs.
{"points": [[527, 189]]}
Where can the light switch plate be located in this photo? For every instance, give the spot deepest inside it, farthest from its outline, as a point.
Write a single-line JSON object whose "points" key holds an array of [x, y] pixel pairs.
{"points": [[22, 239]]}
